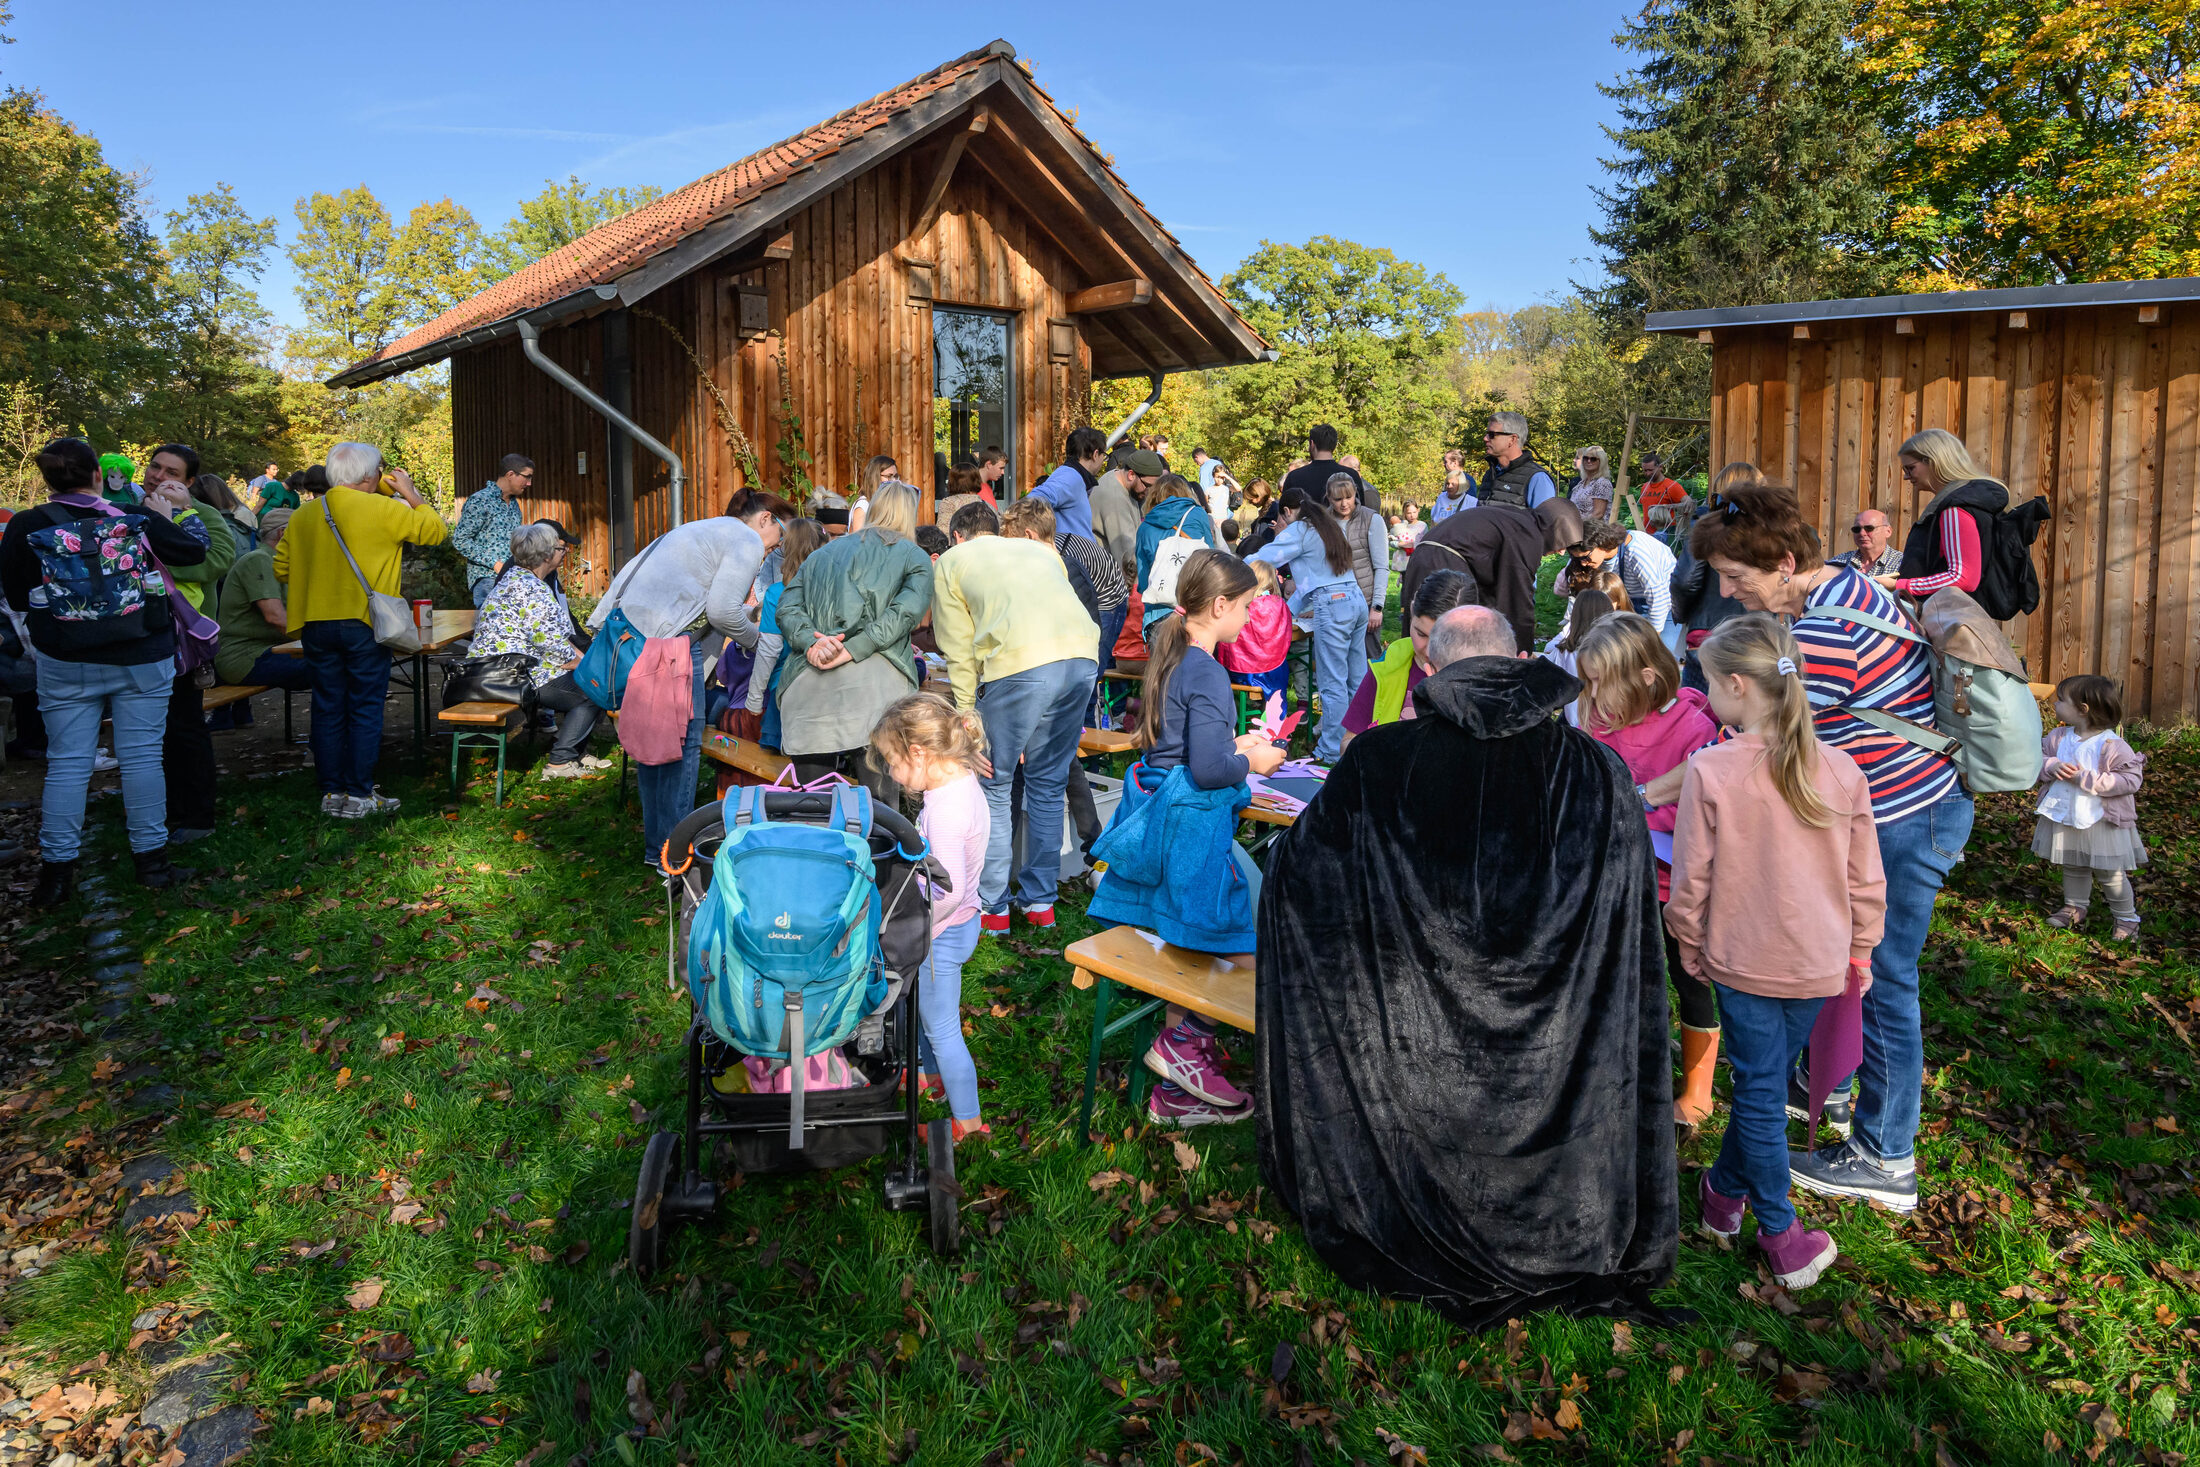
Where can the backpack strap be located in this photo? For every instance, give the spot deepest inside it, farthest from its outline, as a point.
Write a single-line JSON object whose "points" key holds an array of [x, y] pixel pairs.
{"points": [[852, 810], [1865, 618], [1932, 740], [746, 808]]}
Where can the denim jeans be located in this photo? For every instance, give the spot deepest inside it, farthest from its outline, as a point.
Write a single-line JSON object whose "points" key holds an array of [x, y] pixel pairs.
{"points": [[1037, 715], [275, 670], [940, 1047], [577, 715], [1761, 1037], [1336, 617], [72, 697], [481, 589], [1917, 851], [667, 791], [351, 682], [187, 757]]}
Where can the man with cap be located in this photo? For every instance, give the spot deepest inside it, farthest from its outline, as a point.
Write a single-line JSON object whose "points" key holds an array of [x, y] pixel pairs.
{"points": [[1068, 490], [1115, 508], [255, 621], [557, 584]]}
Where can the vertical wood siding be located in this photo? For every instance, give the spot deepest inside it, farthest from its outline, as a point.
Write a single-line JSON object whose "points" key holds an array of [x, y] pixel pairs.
{"points": [[2089, 407]]}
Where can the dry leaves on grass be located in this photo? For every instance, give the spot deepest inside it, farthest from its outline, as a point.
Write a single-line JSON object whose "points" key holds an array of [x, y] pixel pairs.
{"points": [[366, 1296], [481, 1382]]}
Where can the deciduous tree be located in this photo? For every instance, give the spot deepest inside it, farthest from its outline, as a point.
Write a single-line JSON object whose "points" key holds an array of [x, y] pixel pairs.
{"points": [[554, 218]]}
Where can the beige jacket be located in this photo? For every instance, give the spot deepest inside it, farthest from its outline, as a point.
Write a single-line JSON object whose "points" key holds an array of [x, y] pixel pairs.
{"points": [[1762, 902]]}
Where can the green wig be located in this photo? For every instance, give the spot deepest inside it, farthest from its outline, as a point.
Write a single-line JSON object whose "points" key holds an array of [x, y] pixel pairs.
{"points": [[112, 462]]}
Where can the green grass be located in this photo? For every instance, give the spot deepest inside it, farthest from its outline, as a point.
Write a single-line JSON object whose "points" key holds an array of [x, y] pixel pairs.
{"points": [[1141, 1319]]}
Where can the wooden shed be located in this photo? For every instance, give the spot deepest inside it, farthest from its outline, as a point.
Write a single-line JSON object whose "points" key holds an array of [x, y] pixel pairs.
{"points": [[2088, 394], [944, 267]]}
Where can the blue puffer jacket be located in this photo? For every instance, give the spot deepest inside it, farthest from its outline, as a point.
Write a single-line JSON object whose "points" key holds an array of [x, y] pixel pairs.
{"points": [[1159, 524], [1170, 869]]}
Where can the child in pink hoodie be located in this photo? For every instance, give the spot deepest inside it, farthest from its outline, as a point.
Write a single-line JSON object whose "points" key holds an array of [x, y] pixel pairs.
{"points": [[1632, 700], [1259, 655], [1779, 898]]}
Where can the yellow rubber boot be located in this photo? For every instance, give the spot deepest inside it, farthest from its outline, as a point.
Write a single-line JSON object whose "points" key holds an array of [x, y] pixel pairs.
{"points": [[1699, 1055]]}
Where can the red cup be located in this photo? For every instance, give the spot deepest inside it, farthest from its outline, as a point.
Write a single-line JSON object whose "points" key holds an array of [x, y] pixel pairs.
{"points": [[424, 617]]}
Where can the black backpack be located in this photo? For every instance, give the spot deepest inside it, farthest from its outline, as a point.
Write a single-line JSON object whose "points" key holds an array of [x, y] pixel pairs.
{"points": [[2009, 583]]}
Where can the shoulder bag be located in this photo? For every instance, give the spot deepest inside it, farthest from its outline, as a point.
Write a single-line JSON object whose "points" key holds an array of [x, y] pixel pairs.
{"points": [[389, 617]]}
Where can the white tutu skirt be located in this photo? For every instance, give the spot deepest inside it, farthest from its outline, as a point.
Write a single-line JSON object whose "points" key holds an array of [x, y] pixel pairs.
{"points": [[2099, 847]]}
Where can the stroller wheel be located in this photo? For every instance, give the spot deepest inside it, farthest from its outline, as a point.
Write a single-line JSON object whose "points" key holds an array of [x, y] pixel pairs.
{"points": [[651, 1223], [945, 1196]]}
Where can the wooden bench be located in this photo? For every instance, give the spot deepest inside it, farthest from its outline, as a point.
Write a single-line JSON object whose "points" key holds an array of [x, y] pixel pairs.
{"points": [[223, 696], [1212, 987], [1106, 741], [478, 726], [745, 754]]}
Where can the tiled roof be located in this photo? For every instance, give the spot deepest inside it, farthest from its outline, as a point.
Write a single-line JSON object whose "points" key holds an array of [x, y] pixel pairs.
{"points": [[612, 249], [615, 248]]}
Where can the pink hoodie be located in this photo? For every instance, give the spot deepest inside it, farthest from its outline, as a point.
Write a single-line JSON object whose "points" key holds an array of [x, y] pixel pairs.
{"points": [[1660, 743], [1265, 641]]}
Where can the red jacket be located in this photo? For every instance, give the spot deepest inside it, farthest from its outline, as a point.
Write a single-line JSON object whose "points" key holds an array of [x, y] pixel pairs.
{"points": [[1265, 641]]}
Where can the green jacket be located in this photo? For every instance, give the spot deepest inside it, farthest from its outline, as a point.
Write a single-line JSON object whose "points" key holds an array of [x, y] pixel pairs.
{"points": [[1392, 672], [197, 581], [872, 585]]}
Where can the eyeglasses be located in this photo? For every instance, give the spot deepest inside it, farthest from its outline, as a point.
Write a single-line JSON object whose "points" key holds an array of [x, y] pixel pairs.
{"points": [[1498, 433], [1860, 531]]}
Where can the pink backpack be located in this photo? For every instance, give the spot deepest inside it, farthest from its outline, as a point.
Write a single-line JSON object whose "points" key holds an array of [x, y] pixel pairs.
{"points": [[659, 701]]}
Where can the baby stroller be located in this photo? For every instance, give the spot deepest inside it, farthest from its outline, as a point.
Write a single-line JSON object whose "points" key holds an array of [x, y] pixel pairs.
{"points": [[814, 943]]}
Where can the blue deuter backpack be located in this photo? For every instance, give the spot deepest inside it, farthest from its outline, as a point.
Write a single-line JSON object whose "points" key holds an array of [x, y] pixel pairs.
{"points": [[783, 951]]}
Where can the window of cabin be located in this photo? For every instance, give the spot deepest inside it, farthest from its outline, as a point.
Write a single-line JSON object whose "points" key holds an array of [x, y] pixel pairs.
{"points": [[972, 404]]}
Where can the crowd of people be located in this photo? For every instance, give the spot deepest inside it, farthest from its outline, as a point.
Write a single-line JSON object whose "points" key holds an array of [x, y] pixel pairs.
{"points": [[1714, 793]]}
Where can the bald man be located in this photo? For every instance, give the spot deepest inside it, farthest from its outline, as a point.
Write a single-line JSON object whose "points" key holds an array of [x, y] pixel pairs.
{"points": [[1875, 553], [1464, 1091]]}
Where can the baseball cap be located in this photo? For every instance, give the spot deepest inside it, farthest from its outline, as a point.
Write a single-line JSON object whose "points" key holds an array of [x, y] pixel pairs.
{"points": [[1146, 464], [563, 533]]}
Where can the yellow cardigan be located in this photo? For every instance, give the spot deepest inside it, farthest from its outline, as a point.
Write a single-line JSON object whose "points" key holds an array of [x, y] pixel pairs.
{"points": [[375, 526]]}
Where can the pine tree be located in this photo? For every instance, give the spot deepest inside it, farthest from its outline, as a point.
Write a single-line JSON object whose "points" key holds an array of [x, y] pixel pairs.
{"points": [[1747, 150]]}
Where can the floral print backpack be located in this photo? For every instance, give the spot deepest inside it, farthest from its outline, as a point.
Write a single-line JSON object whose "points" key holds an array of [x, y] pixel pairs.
{"points": [[97, 577]]}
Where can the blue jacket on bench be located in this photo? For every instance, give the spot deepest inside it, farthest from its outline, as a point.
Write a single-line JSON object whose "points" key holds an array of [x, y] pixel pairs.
{"points": [[1173, 868]]}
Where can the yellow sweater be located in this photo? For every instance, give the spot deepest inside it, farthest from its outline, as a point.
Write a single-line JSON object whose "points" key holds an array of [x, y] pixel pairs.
{"points": [[375, 526], [1001, 606]]}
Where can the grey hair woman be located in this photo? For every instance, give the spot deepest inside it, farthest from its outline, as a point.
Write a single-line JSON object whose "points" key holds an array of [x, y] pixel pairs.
{"points": [[523, 615]]}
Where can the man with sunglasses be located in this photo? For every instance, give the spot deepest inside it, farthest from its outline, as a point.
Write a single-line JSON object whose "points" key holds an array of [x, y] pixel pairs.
{"points": [[486, 523], [1515, 477], [1875, 553]]}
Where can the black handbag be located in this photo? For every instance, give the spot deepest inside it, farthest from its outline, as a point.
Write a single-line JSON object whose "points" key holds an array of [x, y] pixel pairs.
{"points": [[501, 677]]}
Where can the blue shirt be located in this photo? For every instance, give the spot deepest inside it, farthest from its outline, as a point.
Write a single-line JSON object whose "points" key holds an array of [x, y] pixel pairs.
{"points": [[1299, 550], [484, 531], [1069, 492]]}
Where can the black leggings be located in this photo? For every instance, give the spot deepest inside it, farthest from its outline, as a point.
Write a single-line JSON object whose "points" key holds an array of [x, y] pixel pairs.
{"points": [[1692, 996]]}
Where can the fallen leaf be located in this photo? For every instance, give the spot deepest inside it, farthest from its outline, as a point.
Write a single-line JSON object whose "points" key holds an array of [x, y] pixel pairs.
{"points": [[1187, 1159], [638, 1404], [405, 1212], [1568, 1415], [481, 1382], [161, 1000], [2167, 1123], [366, 1296], [1623, 1337], [314, 1406], [106, 1069]]}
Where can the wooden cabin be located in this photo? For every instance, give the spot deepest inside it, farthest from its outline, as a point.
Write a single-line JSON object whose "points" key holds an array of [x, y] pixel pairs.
{"points": [[2087, 394], [944, 267]]}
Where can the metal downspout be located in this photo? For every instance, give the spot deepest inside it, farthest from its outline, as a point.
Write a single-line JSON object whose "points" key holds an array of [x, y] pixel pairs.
{"points": [[530, 342], [1137, 412]]}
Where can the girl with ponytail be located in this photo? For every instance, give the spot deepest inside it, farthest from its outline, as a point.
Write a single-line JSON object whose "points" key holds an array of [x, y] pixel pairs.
{"points": [[1174, 866], [1327, 597], [928, 748], [1778, 899]]}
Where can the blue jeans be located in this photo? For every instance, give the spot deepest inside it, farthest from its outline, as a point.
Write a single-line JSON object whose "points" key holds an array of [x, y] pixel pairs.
{"points": [[1036, 715], [72, 697], [275, 670], [667, 791], [351, 682], [940, 1047], [1761, 1037], [481, 589], [1336, 617], [1917, 851]]}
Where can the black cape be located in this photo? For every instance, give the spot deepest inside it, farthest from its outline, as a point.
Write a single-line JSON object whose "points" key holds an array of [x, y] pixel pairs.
{"points": [[1501, 546], [1464, 1083]]}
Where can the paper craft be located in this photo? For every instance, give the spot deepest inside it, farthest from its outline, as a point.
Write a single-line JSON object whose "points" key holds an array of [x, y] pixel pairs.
{"points": [[1290, 787], [1661, 845], [1272, 725]]}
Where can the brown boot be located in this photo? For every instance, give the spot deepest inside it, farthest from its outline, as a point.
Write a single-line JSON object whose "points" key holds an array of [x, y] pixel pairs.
{"points": [[1699, 1056]]}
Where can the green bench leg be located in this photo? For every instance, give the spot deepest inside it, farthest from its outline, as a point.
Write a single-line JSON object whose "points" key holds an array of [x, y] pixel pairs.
{"points": [[1102, 1032]]}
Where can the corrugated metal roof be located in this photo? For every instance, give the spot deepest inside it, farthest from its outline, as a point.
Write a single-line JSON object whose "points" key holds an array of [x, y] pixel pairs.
{"points": [[1938, 303]]}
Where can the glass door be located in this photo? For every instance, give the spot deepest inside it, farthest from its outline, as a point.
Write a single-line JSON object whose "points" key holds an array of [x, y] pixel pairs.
{"points": [[972, 403]]}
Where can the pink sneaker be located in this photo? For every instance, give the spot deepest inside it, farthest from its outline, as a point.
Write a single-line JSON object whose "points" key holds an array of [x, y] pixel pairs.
{"points": [[1798, 1256], [1722, 1215], [1169, 1105], [1191, 1063]]}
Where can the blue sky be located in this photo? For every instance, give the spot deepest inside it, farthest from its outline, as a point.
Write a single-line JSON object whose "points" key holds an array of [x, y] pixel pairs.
{"points": [[1464, 136]]}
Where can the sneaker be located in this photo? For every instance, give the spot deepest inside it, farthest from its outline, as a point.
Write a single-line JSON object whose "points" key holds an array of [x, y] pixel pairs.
{"points": [[1189, 1062], [375, 802], [2126, 929], [1040, 917], [1722, 1215], [1171, 1106], [1843, 1170], [996, 922], [1798, 1256], [187, 835], [590, 761], [560, 771], [332, 803], [1838, 1111], [2066, 917], [104, 762]]}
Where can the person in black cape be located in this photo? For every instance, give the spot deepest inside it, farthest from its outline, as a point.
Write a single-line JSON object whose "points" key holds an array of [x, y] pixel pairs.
{"points": [[1464, 1087]]}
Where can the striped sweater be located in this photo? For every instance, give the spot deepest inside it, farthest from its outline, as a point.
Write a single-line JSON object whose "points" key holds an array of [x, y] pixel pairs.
{"points": [[1850, 664]]}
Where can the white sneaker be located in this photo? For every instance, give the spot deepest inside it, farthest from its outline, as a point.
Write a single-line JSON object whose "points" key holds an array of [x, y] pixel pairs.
{"points": [[359, 807], [560, 771], [104, 762], [590, 761], [332, 803]]}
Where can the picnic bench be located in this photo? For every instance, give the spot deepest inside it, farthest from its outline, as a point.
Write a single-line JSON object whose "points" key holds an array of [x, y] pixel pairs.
{"points": [[479, 726], [1212, 987], [410, 670], [222, 696]]}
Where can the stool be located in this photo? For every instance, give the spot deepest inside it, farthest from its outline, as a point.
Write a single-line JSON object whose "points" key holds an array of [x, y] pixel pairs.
{"points": [[478, 726], [1212, 987]]}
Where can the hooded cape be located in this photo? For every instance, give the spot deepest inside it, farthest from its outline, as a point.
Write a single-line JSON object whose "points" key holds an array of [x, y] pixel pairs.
{"points": [[1465, 1090]]}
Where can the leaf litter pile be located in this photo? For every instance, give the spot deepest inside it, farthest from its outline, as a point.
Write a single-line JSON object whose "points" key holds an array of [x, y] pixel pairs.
{"points": [[404, 1074]]}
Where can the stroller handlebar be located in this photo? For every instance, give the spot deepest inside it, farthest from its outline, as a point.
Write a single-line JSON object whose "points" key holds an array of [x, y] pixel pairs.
{"points": [[810, 807]]}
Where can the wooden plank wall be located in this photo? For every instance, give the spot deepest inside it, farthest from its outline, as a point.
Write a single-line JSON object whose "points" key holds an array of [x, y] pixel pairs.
{"points": [[2089, 406], [844, 323]]}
